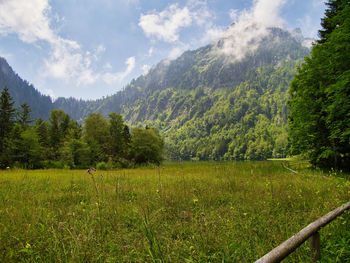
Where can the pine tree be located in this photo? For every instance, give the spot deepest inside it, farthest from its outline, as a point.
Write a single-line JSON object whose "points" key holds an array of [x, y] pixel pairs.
{"points": [[7, 115], [319, 121], [331, 19], [23, 115]]}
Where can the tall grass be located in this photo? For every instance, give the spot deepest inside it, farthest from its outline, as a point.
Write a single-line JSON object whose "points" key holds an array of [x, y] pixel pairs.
{"points": [[183, 212]]}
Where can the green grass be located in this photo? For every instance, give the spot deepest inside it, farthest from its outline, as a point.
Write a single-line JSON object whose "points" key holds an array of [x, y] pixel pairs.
{"points": [[183, 212]]}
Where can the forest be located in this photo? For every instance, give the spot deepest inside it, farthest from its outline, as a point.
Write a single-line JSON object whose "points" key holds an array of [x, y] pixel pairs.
{"points": [[61, 142]]}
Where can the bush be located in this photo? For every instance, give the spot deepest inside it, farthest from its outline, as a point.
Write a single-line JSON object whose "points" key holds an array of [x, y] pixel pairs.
{"points": [[53, 164], [103, 166]]}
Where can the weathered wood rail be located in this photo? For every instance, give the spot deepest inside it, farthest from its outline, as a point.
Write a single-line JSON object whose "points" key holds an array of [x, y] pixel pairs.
{"points": [[311, 231]]}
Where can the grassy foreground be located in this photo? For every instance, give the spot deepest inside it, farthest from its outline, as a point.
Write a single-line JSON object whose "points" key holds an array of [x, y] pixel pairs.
{"points": [[189, 212]]}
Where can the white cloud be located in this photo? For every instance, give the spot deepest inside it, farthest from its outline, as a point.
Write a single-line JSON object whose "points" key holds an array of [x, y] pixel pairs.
{"points": [[111, 78], [107, 66], [166, 24], [200, 12], [145, 69], [308, 23], [266, 12], [204, 18], [234, 14], [150, 52], [100, 49], [175, 52], [50, 93], [212, 32], [30, 21], [178, 50], [250, 27]]}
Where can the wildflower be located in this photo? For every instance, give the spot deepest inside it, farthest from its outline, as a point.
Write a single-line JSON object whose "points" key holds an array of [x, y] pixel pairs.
{"points": [[195, 201], [94, 169], [28, 245]]}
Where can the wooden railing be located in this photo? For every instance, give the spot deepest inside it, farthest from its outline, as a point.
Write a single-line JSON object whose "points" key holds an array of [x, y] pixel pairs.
{"points": [[311, 231]]}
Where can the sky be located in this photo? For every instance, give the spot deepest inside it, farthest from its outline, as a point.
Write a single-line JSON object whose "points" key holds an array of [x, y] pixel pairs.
{"points": [[89, 49]]}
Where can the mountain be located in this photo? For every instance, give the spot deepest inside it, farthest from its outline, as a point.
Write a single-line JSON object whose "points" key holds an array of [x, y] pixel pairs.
{"points": [[210, 105], [227, 100], [21, 91]]}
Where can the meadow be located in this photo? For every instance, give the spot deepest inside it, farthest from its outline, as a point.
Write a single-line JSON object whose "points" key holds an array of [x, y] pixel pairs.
{"points": [[179, 212]]}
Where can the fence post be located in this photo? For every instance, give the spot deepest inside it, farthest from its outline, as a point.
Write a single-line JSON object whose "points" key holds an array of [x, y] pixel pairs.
{"points": [[310, 232], [315, 247]]}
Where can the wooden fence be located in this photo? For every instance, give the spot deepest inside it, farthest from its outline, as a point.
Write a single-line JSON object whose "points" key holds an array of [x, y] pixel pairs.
{"points": [[311, 231]]}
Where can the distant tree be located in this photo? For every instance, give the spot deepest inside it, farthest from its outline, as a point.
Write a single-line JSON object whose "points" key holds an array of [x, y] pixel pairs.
{"points": [[146, 146], [97, 135], [23, 115], [25, 147], [126, 135], [76, 153], [42, 130], [7, 115], [319, 121], [117, 130], [58, 129]]}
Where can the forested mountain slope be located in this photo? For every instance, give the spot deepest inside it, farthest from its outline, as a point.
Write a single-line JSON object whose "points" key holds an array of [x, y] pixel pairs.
{"points": [[209, 106]]}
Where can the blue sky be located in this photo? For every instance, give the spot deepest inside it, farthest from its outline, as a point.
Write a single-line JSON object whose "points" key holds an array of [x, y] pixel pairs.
{"points": [[92, 48]]}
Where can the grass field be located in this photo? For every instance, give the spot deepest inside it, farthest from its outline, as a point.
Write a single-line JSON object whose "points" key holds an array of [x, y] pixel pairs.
{"points": [[182, 212]]}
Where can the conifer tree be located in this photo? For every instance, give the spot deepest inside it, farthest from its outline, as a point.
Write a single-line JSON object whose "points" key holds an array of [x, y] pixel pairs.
{"points": [[7, 115], [23, 115], [319, 121]]}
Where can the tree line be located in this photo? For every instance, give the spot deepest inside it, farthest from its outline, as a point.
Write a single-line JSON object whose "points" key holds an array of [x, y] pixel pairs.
{"points": [[61, 142]]}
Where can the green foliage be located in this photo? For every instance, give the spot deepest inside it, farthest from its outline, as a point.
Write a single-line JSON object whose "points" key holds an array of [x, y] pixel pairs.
{"points": [[23, 115], [7, 115], [146, 146], [247, 121], [25, 148], [104, 166], [210, 108], [76, 153], [320, 99], [63, 143], [120, 136], [58, 129], [332, 18], [96, 134]]}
